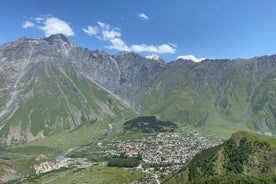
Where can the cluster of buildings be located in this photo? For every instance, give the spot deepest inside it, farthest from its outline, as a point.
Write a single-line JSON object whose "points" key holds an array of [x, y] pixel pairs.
{"points": [[169, 149]]}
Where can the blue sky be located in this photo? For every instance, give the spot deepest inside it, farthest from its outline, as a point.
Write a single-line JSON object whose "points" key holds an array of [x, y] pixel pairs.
{"points": [[202, 28]]}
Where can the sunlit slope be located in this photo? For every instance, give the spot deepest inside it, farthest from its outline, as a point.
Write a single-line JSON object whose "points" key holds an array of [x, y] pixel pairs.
{"points": [[57, 98]]}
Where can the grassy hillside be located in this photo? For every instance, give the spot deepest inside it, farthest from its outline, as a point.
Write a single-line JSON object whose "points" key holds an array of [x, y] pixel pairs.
{"points": [[218, 95], [264, 105], [172, 97], [243, 155], [58, 99]]}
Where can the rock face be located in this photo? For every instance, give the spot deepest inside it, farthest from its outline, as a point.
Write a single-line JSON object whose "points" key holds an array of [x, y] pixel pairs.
{"points": [[50, 85], [44, 164]]}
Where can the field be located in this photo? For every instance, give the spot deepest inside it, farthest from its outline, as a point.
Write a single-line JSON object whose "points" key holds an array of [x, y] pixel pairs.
{"points": [[95, 174]]}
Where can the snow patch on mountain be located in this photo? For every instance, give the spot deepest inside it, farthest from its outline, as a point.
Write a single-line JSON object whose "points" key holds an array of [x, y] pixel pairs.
{"points": [[155, 57]]}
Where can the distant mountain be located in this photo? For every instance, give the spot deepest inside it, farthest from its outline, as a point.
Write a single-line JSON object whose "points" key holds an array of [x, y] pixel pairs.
{"points": [[244, 158], [222, 95], [51, 85]]}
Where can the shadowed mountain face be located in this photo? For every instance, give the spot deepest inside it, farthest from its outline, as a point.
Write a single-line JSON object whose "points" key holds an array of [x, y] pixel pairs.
{"points": [[50, 85]]}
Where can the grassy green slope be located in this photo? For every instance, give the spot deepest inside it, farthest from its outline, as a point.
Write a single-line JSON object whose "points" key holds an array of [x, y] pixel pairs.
{"points": [[174, 98], [236, 86], [264, 105], [186, 95], [59, 99], [244, 154], [67, 108], [218, 95]]}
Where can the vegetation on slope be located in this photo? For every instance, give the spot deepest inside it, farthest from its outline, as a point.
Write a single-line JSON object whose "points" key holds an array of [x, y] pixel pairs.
{"points": [[224, 96], [124, 161], [264, 105], [172, 96], [95, 174], [149, 124], [233, 179], [242, 156], [58, 101]]}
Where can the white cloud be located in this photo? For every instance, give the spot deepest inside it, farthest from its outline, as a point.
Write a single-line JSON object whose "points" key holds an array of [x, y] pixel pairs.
{"points": [[166, 49], [106, 32], [144, 48], [50, 25], [190, 57], [38, 19], [27, 24], [91, 30], [54, 25], [104, 25], [143, 16], [110, 34], [118, 44], [161, 49]]}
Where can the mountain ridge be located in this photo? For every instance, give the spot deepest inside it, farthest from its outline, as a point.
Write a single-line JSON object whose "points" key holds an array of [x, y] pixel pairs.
{"points": [[218, 95]]}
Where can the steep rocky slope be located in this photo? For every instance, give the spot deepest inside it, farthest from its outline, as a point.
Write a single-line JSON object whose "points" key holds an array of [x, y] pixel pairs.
{"points": [[43, 92]]}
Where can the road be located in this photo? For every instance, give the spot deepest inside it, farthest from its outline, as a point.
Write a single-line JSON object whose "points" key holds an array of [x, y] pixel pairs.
{"points": [[154, 176]]}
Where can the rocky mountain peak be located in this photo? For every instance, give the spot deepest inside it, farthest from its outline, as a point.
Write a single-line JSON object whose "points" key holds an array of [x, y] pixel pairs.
{"points": [[128, 55], [57, 38], [62, 45]]}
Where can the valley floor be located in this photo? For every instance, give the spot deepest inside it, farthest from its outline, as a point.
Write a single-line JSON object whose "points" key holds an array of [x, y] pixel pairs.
{"points": [[161, 154]]}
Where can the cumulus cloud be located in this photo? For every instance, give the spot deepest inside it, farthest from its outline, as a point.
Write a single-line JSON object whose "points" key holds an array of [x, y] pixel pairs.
{"points": [[165, 48], [54, 25], [27, 24], [161, 49], [118, 44], [191, 57], [50, 25], [111, 34], [144, 48], [143, 16]]}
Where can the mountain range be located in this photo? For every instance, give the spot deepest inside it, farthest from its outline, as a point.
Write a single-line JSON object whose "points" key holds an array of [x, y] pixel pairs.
{"points": [[51, 85]]}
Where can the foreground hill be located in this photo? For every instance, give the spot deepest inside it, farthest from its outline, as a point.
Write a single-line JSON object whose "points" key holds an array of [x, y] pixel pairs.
{"points": [[243, 158]]}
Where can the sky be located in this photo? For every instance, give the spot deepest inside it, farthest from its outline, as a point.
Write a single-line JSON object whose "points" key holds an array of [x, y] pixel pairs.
{"points": [[191, 29]]}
